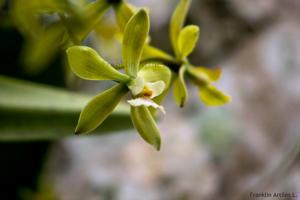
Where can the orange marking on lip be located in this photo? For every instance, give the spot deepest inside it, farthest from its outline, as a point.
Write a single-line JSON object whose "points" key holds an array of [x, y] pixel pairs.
{"points": [[147, 92]]}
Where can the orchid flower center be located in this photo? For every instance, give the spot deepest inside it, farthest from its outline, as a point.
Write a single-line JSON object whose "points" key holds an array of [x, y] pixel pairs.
{"points": [[147, 92], [143, 92]]}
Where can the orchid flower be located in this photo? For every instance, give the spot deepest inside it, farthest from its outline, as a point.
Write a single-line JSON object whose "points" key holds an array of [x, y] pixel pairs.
{"points": [[143, 82], [184, 40]]}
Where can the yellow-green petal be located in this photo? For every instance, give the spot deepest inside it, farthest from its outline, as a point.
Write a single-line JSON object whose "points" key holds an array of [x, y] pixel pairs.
{"points": [[151, 52], [211, 96], [135, 36], [177, 22], [99, 108], [180, 92], [204, 76], [187, 40], [155, 72], [87, 64], [145, 125]]}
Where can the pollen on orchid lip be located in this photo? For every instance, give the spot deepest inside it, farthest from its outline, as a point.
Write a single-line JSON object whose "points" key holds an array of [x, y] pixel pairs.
{"points": [[147, 92]]}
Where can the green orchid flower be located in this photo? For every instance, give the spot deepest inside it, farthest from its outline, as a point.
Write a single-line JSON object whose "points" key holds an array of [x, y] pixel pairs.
{"points": [[143, 82], [123, 12], [183, 41], [65, 23]]}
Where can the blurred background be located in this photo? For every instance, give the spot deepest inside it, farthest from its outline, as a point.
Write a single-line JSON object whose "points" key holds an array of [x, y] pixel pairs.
{"points": [[250, 145]]}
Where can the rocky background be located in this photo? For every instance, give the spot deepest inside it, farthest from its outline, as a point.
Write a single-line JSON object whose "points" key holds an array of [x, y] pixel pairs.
{"points": [[251, 145]]}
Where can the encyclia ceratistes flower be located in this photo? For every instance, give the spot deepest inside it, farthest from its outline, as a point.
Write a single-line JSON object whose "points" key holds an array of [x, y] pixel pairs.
{"points": [[184, 39], [144, 82]]}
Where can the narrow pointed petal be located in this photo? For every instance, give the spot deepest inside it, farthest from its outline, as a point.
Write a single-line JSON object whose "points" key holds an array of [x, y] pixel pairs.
{"points": [[134, 39], [211, 96], [99, 108], [146, 126], [87, 64], [177, 23], [180, 92], [204, 75], [187, 40], [151, 52], [146, 102]]}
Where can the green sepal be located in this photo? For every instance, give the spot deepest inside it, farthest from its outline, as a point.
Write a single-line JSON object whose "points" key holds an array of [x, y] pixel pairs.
{"points": [[146, 126], [177, 22], [87, 64], [180, 92], [211, 96], [135, 36], [99, 108], [153, 53], [187, 40], [204, 76]]}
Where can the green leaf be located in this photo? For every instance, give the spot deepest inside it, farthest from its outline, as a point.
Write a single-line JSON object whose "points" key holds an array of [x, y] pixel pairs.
{"points": [[123, 12], [187, 40], [87, 64], [135, 36], [177, 22], [204, 76], [145, 125], [99, 108], [211, 96], [31, 111], [155, 72], [180, 92]]}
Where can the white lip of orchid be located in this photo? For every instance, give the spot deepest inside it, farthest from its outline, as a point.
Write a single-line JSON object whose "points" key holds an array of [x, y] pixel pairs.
{"points": [[142, 101], [137, 86], [145, 91]]}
